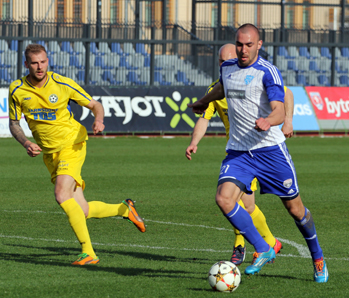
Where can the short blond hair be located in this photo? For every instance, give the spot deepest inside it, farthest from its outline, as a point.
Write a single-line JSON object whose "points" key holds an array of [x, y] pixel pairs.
{"points": [[33, 48]]}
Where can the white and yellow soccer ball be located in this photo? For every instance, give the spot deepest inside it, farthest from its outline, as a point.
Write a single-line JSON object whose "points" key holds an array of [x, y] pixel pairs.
{"points": [[224, 276]]}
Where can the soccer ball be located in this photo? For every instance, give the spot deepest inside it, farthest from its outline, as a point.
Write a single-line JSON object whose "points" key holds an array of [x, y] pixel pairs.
{"points": [[224, 276]]}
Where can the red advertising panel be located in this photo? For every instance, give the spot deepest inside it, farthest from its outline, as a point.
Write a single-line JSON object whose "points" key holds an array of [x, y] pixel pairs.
{"points": [[330, 103]]}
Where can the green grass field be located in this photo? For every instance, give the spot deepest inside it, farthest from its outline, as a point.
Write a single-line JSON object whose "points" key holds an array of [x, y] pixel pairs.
{"points": [[186, 233]]}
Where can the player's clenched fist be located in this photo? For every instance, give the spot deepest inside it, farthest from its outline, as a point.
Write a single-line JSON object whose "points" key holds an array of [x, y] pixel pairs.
{"points": [[262, 124]]}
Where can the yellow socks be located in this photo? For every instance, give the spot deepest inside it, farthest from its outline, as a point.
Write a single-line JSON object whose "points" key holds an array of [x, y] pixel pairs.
{"points": [[260, 223], [100, 210], [239, 239], [77, 221]]}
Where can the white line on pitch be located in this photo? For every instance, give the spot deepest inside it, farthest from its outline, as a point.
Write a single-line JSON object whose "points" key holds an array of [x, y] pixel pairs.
{"points": [[302, 249], [151, 247]]}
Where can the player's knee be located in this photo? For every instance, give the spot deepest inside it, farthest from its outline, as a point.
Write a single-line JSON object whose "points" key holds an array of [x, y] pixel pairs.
{"points": [[295, 208], [220, 200], [62, 195], [226, 204]]}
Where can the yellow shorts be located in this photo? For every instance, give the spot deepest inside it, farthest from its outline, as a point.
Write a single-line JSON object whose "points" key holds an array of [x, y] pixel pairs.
{"points": [[68, 161], [254, 184]]}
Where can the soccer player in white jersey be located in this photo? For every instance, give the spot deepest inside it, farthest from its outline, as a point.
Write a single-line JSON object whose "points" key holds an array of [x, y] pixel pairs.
{"points": [[227, 52], [255, 94]]}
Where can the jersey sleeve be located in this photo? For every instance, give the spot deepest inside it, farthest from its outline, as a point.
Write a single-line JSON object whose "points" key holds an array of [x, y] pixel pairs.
{"points": [[209, 111], [15, 109], [75, 91], [79, 95], [274, 84]]}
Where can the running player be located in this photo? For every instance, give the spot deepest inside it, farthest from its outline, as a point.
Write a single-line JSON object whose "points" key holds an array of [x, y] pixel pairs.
{"points": [[254, 91], [227, 52], [43, 97]]}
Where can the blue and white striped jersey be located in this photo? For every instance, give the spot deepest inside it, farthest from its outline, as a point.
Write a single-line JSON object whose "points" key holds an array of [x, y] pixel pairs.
{"points": [[248, 91]]}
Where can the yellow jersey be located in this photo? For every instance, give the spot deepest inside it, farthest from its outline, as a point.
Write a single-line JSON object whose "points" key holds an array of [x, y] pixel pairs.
{"points": [[221, 107], [47, 110]]}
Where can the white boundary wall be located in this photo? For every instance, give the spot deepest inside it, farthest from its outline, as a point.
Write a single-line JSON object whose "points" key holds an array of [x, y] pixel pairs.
{"points": [[4, 119]]}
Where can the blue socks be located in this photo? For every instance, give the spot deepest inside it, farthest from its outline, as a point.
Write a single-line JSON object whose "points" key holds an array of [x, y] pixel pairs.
{"points": [[241, 220], [307, 227]]}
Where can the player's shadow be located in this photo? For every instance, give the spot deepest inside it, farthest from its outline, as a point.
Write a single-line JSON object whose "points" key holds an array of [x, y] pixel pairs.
{"points": [[139, 255], [44, 259], [154, 257], [263, 275]]}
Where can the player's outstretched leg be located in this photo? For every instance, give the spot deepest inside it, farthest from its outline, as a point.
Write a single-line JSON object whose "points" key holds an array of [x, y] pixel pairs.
{"points": [[126, 209], [133, 216]]}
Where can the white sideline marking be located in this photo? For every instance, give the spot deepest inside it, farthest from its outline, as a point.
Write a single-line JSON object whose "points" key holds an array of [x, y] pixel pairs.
{"points": [[302, 249], [154, 247]]}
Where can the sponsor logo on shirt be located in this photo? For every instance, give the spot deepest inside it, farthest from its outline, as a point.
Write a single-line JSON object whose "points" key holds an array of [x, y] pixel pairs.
{"points": [[27, 98], [43, 114], [239, 94]]}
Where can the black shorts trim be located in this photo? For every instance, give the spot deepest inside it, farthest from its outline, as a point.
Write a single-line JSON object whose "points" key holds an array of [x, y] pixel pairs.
{"points": [[236, 182], [290, 198]]}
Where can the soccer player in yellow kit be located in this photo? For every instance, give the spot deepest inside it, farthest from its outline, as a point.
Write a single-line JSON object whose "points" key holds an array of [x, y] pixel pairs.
{"points": [[43, 97], [247, 201]]}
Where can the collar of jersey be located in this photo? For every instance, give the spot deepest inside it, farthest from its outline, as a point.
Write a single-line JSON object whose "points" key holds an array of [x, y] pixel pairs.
{"points": [[47, 80], [243, 67]]}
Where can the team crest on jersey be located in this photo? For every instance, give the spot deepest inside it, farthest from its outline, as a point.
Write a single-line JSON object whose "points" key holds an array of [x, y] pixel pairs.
{"points": [[248, 79], [288, 183], [53, 98]]}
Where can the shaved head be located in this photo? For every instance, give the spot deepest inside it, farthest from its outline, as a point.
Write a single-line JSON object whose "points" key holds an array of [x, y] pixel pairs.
{"points": [[226, 52], [248, 44], [247, 28]]}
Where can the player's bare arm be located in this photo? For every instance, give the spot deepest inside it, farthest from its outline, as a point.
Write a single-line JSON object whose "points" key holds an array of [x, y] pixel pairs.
{"points": [[18, 133], [198, 133], [98, 111], [287, 127], [276, 117], [201, 105]]}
